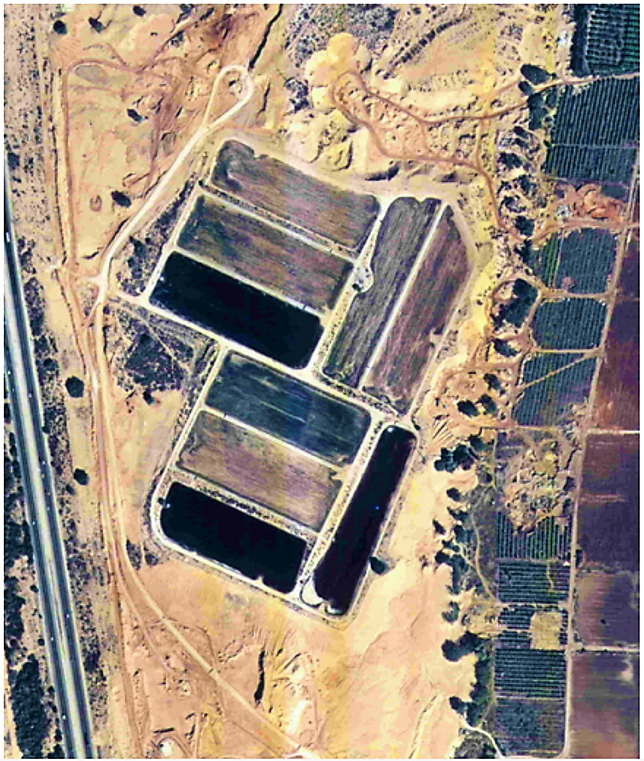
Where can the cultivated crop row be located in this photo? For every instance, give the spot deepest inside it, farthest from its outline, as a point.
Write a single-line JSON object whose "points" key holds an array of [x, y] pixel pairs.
{"points": [[549, 401], [526, 727], [527, 582], [570, 324], [606, 39], [606, 164], [548, 540], [529, 673], [538, 366], [579, 263], [602, 114]]}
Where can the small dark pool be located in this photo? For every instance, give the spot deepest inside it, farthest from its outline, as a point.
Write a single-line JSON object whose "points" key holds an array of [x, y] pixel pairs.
{"points": [[238, 311], [337, 576], [221, 532]]}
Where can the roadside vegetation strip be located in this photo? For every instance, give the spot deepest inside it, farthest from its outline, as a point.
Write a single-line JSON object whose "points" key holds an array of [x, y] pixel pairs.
{"points": [[339, 215], [398, 245], [289, 409], [45, 530], [263, 254]]}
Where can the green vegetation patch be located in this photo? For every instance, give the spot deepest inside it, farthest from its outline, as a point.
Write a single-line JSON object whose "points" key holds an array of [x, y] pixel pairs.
{"points": [[516, 310]]}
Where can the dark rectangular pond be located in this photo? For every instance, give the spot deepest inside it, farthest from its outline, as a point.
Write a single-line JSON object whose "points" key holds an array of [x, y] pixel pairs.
{"points": [[237, 311], [223, 533], [289, 409], [337, 576]]}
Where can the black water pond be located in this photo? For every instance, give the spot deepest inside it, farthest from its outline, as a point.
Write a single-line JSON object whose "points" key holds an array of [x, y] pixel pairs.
{"points": [[238, 311], [288, 408], [337, 576], [223, 533]]}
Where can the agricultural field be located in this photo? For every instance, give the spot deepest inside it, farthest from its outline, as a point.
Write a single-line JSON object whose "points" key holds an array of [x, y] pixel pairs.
{"points": [[556, 398], [269, 257], [341, 216], [544, 364], [529, 673], [533, 626], [611, 466], [606, 39], [600, 114], [579, 262], [549, 540], [629, 278], [260, 469], [607, 164], [289, 409], [569, 324], [595, 132], [400, 240], [529, 727], [419, 324], [607, 611], [524, 581], [604, 714], [609, 503], [617, 404], [251, 317]]}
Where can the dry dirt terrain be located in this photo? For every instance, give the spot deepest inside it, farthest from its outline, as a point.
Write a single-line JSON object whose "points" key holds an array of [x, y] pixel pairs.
{"points": [[300, 281]]}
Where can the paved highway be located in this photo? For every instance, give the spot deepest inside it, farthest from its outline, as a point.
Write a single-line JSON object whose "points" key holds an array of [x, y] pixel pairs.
{"points": [[49, 554]]}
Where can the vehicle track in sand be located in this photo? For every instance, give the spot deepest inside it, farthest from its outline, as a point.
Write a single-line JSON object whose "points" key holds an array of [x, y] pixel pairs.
{"points": [[125, 588], [425, 155]]}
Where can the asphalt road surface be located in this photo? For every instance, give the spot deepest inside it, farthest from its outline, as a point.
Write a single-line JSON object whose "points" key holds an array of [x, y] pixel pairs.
{"points": [[49, 553]]}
